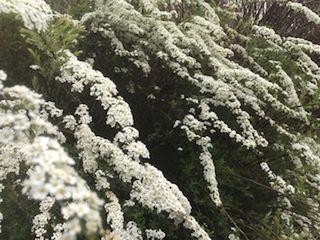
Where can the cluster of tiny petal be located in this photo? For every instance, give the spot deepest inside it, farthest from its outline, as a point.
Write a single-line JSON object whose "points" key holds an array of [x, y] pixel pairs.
{"points": [[309, 14], [276, 181], [41, 220], [192, 126], [116, 220], [3, 77], [36, 14], [50, 172], [153, 234], [80, 74], [150, 188]]}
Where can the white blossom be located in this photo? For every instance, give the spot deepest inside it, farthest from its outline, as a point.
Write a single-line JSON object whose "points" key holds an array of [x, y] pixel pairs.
{"points": [[35, 13], [153, 234], [309, 14]]}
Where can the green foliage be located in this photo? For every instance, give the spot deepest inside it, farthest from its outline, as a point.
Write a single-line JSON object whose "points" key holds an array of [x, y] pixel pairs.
{"points": [[14, 57], [79, 9], [46, 50]]}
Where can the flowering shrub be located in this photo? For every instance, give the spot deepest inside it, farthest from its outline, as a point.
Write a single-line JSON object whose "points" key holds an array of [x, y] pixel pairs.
{"points": [[162, 119]]}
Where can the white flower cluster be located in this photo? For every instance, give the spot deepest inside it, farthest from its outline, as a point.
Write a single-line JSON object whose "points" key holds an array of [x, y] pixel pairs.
{"points": [[153, 234], [36, 14], [116, 220], [288, 215], [10, 158], [234, 234], [50, 110], [309, 14], [192, 126], [291, 96], [284, 190], [307, 150], [149, 186], [41, 220], [50, 174], [267, 33], [15, 123], [172, 44], [129, 29], [1, 215], [145, 32], [241, 51], [303, 49], [80, 74], [3, 77], [304, 45], [276, 181], [153, 191], [233, 237], [305, 154], [197, 232]]}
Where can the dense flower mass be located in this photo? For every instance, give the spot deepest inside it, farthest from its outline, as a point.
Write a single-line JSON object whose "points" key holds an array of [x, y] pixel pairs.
{"points": [[158, 119], [35, 14]]}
